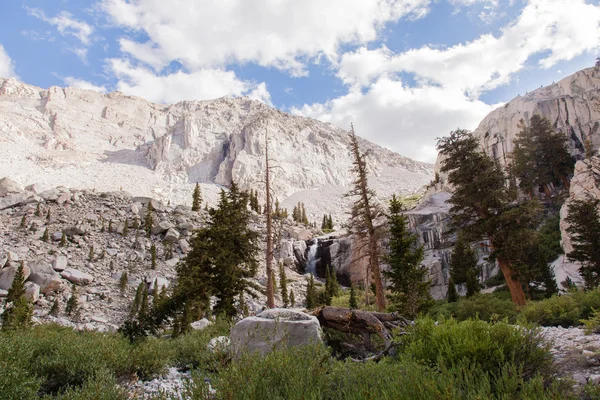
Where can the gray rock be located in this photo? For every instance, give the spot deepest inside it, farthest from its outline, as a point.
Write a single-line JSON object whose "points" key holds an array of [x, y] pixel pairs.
{"points": [[35, 188], [579, 378], [595, 379], [14, 200], [44, 275], [184, 245], [219, 344], [157, 281], [32, 291], [8, 274], [60, 263], [3, 293], [275, 328], [77, 277], [161, 227], [63, 198], [172, 235], [7, 186], [50, 194], [200, 324], [111, 252], [80, 230], [172, 262], [56, 236]]}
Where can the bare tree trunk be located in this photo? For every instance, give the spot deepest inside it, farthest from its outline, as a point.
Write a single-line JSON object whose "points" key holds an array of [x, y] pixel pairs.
{"points": [[514, 285], [268, 211]]}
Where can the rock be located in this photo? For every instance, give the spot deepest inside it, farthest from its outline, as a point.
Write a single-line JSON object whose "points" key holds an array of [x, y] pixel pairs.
{"points": [[3, 293], [32, 291], [201, 324], [8, 186], [63, 198], [300, 251], [35, 188], [219, 344], [8, 274], [594, 379], [172, 235], [80, 229], [184, 245], [286, 249], [12, 200], [111, 252], [275, 328], [579, 378], [300, 233], [44, 275], [161, 227], [57, 236], [159, 281], [60, 263], [50, 194], [172, 262], [77, 277]]}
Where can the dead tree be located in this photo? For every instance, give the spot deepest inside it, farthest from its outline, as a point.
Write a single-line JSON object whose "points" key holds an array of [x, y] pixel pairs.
{"points": [[269, 212], [363, 323]]}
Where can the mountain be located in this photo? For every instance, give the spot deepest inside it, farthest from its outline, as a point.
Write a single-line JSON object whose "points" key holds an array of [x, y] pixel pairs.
{"points": [[84, 139]]}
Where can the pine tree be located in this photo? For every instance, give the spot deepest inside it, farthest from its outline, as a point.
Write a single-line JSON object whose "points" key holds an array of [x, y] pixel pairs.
{"points": [[126, 227], [481, 203], [452, 293], [45, 235], [463, 265], [292, 299], [48, 216], [18, 314], [329, 222], [17, 288], [55, 309], [123, 282], [63, 240], [149, 219], [144, 306], [137, 300], [311, 301], [324, 224], [353, 302], [168, 250], [110, 226], [38, 212], [23, 222], [73, 302], [91, 253], [222, 258], [584, 228], [136, 224], [408, 281], [303, 217], [102, 227], [153, 256], [363, 213], [196, 198], [283, 286]]}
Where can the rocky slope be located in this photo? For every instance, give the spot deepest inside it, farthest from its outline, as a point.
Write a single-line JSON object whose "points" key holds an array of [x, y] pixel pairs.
{"points": [[83, 139]]}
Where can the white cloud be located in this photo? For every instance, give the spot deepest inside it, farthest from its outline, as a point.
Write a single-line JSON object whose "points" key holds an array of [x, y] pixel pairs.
{"points": [[7, 68], [180, 85], [83, 84], [274, 33], [66, 24], [80, 52], [401, 118]]}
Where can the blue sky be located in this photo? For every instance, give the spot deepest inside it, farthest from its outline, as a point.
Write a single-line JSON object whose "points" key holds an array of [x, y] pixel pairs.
{"points": [[403, 71]]}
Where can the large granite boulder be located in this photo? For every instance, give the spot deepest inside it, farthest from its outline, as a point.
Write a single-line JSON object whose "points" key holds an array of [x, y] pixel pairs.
{"points": [[44, 275], [7, 186], [77, 277], [273, 329], [8, 274]]}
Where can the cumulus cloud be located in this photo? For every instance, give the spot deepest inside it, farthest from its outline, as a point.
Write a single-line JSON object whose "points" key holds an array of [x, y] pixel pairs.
{"points": [[7, 68], [275, 33], [180, 85], [447, 82], [83, 84], [66, 24]]}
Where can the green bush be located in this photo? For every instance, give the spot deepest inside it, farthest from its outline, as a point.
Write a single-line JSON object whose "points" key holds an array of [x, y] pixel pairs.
{"points": [[103, 386], [563, 310], [190, 351], [487, 307]]}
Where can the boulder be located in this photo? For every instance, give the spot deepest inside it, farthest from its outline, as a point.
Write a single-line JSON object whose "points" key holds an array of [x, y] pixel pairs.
{"points": [[184, 245], [77, 277], [8, 274], [299, 233], [3, 293], [63, 198], [158, 281], [161, 227], [219, 344], [50, 194], [172, 262], [35, 188], [57, 236], [172, 235], [7, 186], [275, 328], [44, 275], [200, 324], [80, 229], [13, 200], [32, 291], [60, 263]]}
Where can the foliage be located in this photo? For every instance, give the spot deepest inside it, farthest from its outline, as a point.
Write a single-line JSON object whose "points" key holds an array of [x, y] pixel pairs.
{"points": [[149, 219], [311, 294], [73, 302], [584, 228], [407, 278], [283, 286], [463, 266], [55, 309], [17, 288], [327, 223], [353, 301], [592, 324], [45, 236], [565, 310], [153, 256], [452, 292], [487, 307], [196, 198], [292, 298], [18, 311], [123, 282], [125, 228]]}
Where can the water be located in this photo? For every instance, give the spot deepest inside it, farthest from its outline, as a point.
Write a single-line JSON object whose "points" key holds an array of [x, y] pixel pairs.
{"points": [[311, 261]]}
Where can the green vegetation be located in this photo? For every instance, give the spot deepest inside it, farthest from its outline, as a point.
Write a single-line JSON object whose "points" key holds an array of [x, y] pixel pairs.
{"points": [[463, 266], [196, 198], [584, 220]]}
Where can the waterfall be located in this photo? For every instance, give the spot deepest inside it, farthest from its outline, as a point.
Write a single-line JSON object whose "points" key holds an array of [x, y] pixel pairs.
{"points": [[311, 259]]}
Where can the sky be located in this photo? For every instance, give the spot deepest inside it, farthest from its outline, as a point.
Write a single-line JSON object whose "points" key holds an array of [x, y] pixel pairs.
{"points": [[404, 72]]}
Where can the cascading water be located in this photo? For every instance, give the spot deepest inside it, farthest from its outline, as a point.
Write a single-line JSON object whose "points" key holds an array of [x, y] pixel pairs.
{"points": [[311, 259]]}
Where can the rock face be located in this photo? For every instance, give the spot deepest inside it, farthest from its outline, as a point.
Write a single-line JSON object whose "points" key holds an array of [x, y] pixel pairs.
{"points": [[161, 151], [274, 328]]}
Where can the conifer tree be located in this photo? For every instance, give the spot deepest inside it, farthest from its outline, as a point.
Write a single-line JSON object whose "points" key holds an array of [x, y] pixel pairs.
{"points": [[407, 277], [48, 216], [153, 256], [123, 282], [292, 299], [38, 212], [482, 204], [283, 286], [311, 301], [136, 223], [196, 198], [584, 228], [63, 240], [73, 302], [18, 314], [296, 214], [463, 265], [363, 213], [17, 288], [137, 300], [126, 227], [149, 219], [353, 302], [45, 235], [330, 222], [324, 223], [110, 226], [452, 292], [23, 222], [303, 217], [91, 253], [168, 250], [102, 227], [55, 309], [144, 306]]}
